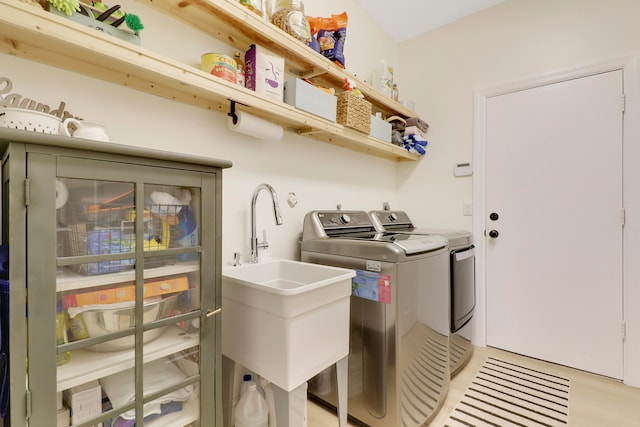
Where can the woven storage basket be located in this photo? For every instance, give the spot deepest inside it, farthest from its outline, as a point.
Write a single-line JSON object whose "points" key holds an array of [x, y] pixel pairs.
{"points": [[354, 112]]}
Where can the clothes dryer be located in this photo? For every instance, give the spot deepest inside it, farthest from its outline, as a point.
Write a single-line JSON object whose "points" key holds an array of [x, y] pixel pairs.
{"points": [[462, 276]]}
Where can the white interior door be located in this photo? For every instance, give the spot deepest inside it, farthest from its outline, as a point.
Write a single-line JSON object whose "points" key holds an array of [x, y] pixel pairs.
{"points": [[554, 179]]}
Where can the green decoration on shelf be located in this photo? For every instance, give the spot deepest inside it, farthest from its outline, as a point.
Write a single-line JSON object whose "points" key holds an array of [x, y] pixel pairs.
{"points": [[66, 6], [133, 22]]}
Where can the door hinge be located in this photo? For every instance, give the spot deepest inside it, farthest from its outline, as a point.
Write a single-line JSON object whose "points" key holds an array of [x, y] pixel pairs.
{"points": [[623, 216], [624, 103], [27, 192], [623, 330], [28, 404]]}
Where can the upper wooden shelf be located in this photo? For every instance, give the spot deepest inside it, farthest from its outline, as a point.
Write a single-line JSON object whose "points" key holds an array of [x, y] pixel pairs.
{"points": [[34, 34], [235, 25]]}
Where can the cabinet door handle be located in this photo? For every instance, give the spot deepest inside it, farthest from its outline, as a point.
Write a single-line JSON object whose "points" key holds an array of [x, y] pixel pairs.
{"points": [[211, 313]]}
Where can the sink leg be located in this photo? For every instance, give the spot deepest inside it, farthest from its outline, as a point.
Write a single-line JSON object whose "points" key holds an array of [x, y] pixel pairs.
{"points": [[342, 375], [228, 368], [291, 406]]}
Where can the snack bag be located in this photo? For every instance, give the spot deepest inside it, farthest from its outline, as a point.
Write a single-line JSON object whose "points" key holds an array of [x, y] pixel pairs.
{"points": [[331, 34]]}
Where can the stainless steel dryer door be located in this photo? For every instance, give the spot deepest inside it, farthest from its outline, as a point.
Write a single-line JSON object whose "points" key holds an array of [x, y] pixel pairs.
{"points": [[463, 287]]}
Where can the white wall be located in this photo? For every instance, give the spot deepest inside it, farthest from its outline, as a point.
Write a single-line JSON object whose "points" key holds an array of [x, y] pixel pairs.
{"points": [[509, 43], [320, 174]]}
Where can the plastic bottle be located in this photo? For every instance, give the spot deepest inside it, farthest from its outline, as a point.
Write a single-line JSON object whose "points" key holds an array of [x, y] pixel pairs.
{"points": [[394, 92], [61, 335], [246, 380], [252, 410], [381, 79], [240, 67]]}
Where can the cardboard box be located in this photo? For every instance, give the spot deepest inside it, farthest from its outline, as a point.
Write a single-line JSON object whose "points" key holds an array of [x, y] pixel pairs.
{"points": [[165, 285], [309, 98], [380, 129], [85, 401], [264, 72], [152, 288]]}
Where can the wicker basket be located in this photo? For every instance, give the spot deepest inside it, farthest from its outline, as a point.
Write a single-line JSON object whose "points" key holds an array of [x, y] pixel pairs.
{"points": [[354, 112]]}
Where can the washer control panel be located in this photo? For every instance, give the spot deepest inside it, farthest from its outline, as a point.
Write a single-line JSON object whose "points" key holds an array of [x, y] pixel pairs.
{"points": [[340, 219], [391, 218]]}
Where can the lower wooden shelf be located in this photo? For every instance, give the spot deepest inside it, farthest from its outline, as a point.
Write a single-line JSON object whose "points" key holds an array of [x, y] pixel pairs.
{"points": [[37, 35]]}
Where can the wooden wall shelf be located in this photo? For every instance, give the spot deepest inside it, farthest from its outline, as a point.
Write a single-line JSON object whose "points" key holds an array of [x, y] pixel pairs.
{"points": [[37, 35]]}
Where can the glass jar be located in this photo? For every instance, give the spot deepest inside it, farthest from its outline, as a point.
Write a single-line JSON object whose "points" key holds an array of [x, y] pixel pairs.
{"points": [[253, 5], [288, 15], [394, 92]]}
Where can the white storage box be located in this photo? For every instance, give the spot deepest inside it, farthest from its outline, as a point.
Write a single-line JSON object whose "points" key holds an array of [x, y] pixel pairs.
{"points": [[380, 129], [264, 72], [287, 335], [85, 401], [309, 98]]}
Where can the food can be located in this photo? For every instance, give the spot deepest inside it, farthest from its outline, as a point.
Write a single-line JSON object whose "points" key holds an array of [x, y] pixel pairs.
{"points": [[219, 65]]}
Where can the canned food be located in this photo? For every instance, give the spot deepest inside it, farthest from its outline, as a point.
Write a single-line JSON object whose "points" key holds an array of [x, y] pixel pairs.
{"points": [[219, 65]]}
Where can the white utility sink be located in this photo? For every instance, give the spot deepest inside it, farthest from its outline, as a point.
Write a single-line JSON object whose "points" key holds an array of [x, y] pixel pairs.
{"points": [[286, 320]]}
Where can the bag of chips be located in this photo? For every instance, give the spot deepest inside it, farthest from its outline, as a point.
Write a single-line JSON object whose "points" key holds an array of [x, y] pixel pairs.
{"points": [[330, 34]]}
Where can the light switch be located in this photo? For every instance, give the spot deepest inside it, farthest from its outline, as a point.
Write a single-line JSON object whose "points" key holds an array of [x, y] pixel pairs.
{"points": [[467, 208]]}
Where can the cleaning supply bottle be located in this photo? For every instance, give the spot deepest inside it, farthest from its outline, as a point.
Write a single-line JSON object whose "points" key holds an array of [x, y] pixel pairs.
{"points": [[252, 410], [394, 92], [246, 380], [382, 79], [61, 335]]}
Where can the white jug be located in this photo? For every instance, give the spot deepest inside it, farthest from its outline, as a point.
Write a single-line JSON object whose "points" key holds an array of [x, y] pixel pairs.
{"points": [[85, 129], [252, 410]]}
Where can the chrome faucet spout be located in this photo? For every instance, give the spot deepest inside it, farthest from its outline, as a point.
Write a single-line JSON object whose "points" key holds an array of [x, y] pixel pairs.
{"points": [[255, 245]]}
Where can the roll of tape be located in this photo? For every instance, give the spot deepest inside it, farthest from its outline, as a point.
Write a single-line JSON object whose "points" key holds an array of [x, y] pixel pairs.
{"points": [[62, 194]]}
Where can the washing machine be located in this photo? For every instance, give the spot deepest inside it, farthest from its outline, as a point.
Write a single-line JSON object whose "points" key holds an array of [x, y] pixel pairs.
{"points": [[399, 369], [462, 276]]}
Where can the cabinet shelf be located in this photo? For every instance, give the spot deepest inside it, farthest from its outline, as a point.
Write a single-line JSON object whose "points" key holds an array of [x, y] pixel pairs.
{"points": [[189, 414], [37, 35], [68, 280], [86, 366]]}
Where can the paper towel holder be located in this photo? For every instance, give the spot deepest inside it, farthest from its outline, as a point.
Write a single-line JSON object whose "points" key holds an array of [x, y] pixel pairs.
{"points": [[232, 111]]}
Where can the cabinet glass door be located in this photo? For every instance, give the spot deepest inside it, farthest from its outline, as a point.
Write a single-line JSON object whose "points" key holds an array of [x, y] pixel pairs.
{"points": [[128, 292]]}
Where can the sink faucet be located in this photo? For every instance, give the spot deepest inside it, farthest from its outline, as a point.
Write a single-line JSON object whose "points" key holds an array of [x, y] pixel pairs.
{"points": [[276, 211]]}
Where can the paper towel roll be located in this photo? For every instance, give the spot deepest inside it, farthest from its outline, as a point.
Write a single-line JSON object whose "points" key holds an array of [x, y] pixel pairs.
{"points": [[62, 194], [256, 127]]}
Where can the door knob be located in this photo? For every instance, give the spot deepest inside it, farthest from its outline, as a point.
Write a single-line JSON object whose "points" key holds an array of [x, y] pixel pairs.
{"points": [[494, 233], [494, 216]]}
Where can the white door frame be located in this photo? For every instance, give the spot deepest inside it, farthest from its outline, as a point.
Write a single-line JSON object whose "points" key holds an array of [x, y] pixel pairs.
{"points": [[631, 198]]}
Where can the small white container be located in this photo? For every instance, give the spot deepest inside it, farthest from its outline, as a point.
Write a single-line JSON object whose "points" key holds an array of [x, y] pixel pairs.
{"points": [[252, 410], [306, 97]]}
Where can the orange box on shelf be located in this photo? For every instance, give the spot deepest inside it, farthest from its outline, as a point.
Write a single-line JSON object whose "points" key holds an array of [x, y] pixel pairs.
{"points": [[101, 296], [165, 285], [152, 287]]}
